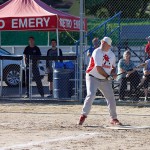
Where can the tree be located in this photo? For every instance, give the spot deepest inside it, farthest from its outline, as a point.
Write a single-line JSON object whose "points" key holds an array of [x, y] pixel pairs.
{"points": [[144, 6], [129, 8]]}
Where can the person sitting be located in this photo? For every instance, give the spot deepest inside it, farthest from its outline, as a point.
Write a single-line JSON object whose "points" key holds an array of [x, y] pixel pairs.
{"points": [[146, 79], [126, 65]]}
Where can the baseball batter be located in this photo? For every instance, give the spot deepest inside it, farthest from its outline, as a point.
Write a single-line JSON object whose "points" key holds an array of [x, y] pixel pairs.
{"points": [[102, 67]]}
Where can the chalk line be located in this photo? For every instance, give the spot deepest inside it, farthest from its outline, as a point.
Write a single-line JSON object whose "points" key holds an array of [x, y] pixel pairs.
{"points": [[30, 144]]}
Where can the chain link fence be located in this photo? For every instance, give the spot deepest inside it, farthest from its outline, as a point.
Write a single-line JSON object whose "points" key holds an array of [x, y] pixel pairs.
{"points": [[128, 25], [63, 77], [11, 75], [33, 82]]}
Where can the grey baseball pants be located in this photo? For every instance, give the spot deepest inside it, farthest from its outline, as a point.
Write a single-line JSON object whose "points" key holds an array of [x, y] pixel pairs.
{"points": [[92, 84]]}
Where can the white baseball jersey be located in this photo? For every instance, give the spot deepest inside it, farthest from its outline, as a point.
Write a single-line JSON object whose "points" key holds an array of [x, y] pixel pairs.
{"points": [[106, 60]]}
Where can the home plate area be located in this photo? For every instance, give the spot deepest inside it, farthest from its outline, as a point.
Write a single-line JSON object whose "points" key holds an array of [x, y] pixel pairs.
{"points": [[126, 127]]}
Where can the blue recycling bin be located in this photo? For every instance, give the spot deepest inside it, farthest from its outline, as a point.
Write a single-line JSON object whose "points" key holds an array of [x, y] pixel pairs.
{"points": [[62, 85]]}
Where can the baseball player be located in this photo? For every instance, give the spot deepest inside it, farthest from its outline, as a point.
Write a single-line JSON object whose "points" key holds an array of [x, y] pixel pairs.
{"points": [[102, 67]]}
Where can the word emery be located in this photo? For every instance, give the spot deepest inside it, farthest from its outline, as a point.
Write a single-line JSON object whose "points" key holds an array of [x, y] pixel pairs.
{"points": [[27, 23]]}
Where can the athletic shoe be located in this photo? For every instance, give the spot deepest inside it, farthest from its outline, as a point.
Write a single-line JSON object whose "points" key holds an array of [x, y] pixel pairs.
{"points": [[120, 100], [49, 96], [27, 96], [146, 99], [82, 119], [115, 122]]}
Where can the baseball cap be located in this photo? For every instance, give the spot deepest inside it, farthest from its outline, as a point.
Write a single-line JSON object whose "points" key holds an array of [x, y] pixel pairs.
{"points": [[148, 38], [107, 40]]}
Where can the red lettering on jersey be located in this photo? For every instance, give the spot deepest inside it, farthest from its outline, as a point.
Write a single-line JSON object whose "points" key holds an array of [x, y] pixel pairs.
{"points": [[91, 66], [106, 66], [106, 58]]}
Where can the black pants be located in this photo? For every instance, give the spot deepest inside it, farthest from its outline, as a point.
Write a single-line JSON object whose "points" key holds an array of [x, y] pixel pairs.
{"points": [[37, 79], [134, 80], [147, 80]]}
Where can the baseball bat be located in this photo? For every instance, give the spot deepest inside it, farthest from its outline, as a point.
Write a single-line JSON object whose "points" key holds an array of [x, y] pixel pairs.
{"points": [[111, 78], [137, 67]]}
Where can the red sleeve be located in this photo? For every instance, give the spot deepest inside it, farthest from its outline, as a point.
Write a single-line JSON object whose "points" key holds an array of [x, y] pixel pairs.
{"points": [[147, 48]]}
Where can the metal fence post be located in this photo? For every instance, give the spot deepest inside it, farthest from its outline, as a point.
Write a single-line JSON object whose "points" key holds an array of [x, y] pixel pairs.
{"points": [[119, 38], [81, 51], [20, 83], [76, 79], [1, 89], [30, 78], [77, 71]]}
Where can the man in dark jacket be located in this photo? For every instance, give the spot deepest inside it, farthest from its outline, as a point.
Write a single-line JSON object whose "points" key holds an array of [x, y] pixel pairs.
{"points": [[53, 51], [31, 50]]}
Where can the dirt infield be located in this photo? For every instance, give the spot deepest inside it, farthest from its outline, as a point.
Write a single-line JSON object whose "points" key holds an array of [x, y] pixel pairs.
{"points": [[53, 127]]}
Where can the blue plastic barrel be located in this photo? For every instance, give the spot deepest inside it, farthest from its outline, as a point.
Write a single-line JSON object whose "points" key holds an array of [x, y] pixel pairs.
{"points": [[62, 86]]}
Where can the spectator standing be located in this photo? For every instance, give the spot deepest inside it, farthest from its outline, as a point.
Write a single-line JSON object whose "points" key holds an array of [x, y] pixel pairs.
{"points": [[95, 43], [147, 48], [31, 50], [49, 64]]}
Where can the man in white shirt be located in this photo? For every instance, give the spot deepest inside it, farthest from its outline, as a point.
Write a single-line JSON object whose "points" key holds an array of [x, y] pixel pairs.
{"points": [[102, 67]]}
